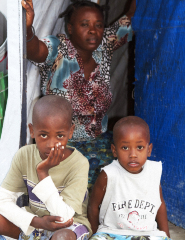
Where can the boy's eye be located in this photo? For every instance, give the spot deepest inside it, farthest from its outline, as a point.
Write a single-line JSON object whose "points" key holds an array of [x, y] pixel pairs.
{"points": [[43, 135], [60, 136], [125, 148], [140, 147]]}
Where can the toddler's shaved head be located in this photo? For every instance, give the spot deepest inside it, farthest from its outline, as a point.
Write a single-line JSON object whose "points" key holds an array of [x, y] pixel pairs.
{"points": [[130, 121]]}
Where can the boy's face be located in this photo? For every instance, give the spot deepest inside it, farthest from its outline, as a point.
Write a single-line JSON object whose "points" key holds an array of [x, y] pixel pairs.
{"points": [[51, 130], [132, 148]]}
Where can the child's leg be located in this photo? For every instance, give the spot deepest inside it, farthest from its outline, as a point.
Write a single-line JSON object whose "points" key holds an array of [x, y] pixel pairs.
{"points": [[76, 231], [8, 229], [64, 234]]}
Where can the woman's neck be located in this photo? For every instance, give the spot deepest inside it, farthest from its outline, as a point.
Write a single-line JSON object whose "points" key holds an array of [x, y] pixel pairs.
{"points": [[85, 55], [89, 63]]}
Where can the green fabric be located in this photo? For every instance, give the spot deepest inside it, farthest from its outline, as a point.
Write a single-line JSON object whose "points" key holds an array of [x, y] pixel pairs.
{"points": [[3, 97]]}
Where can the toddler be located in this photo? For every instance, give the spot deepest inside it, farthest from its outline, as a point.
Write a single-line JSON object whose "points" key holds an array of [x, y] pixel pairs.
{"points": [[127, 201]]}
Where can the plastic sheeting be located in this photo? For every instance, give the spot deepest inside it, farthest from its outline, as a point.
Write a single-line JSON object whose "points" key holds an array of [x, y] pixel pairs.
{"points": [[11, 128], [160, 92]]}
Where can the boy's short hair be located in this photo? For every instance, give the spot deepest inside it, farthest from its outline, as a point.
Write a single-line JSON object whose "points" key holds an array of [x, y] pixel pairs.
{"points": [[130, 121], [52, 105]]}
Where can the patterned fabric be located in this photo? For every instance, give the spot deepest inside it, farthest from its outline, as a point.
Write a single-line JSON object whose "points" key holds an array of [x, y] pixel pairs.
{"points": [[79, 229], [98, 152], [63, 74], [105, 236]]}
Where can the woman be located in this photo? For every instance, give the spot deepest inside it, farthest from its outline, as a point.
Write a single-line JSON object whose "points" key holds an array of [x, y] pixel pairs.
{"points": [[78, 68]]}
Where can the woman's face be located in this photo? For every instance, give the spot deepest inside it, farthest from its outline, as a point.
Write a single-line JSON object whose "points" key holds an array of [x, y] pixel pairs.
{"points": [[86, 29]]}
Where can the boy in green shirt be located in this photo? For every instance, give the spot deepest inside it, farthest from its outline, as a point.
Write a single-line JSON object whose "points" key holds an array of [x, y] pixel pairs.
{"points": [[54, 176]]}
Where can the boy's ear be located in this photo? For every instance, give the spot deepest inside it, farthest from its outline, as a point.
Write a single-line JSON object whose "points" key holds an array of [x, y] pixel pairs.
{"points": [[69, 28], [71, 131], [150, 149], [31, 130], [113, 148]]}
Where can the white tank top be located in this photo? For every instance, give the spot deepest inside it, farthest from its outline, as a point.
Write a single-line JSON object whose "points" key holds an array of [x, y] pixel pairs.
{"points": [[131, 200]]}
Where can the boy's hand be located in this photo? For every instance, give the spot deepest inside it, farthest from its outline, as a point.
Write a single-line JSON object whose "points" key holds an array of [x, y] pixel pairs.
{"points": [[55, 157], [50, 223]]}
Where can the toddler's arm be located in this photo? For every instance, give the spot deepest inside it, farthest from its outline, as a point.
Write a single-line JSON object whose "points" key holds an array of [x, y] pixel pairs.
{"points": [[161, 217], [96, 199]]}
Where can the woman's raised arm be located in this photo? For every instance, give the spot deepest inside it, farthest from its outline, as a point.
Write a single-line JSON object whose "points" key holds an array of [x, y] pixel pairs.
{"points": [[37, 51], [131, 10]]}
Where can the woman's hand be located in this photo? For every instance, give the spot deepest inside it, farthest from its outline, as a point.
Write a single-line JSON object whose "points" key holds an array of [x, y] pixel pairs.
{"points": [[28, 6], [55, 157], [37, 51]]}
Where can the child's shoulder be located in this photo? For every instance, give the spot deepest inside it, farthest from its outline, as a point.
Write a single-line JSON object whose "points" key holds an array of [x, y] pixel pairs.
{"points": [[27, 152], [154, 164], [112, 167], [27, 148]]}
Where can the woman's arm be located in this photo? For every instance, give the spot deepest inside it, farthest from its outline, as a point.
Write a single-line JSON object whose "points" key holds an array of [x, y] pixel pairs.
{"points": [[161, 217], [131, 10], [37, 51], [96, 199]]}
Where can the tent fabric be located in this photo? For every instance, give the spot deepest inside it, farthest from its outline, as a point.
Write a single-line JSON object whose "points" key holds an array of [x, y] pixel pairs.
{"points": [[11, 127], [160, 92]]}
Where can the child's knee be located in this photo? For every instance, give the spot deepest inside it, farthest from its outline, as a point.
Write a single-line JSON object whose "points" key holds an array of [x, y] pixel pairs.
{"points": [[64, 234]]}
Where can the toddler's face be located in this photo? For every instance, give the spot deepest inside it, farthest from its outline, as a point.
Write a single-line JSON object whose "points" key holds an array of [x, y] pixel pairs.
{"points": [[50, 130], [132, 148]]}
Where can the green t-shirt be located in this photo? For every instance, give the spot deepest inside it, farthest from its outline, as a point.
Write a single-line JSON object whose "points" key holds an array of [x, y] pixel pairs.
{"points": [[70, 178]]}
